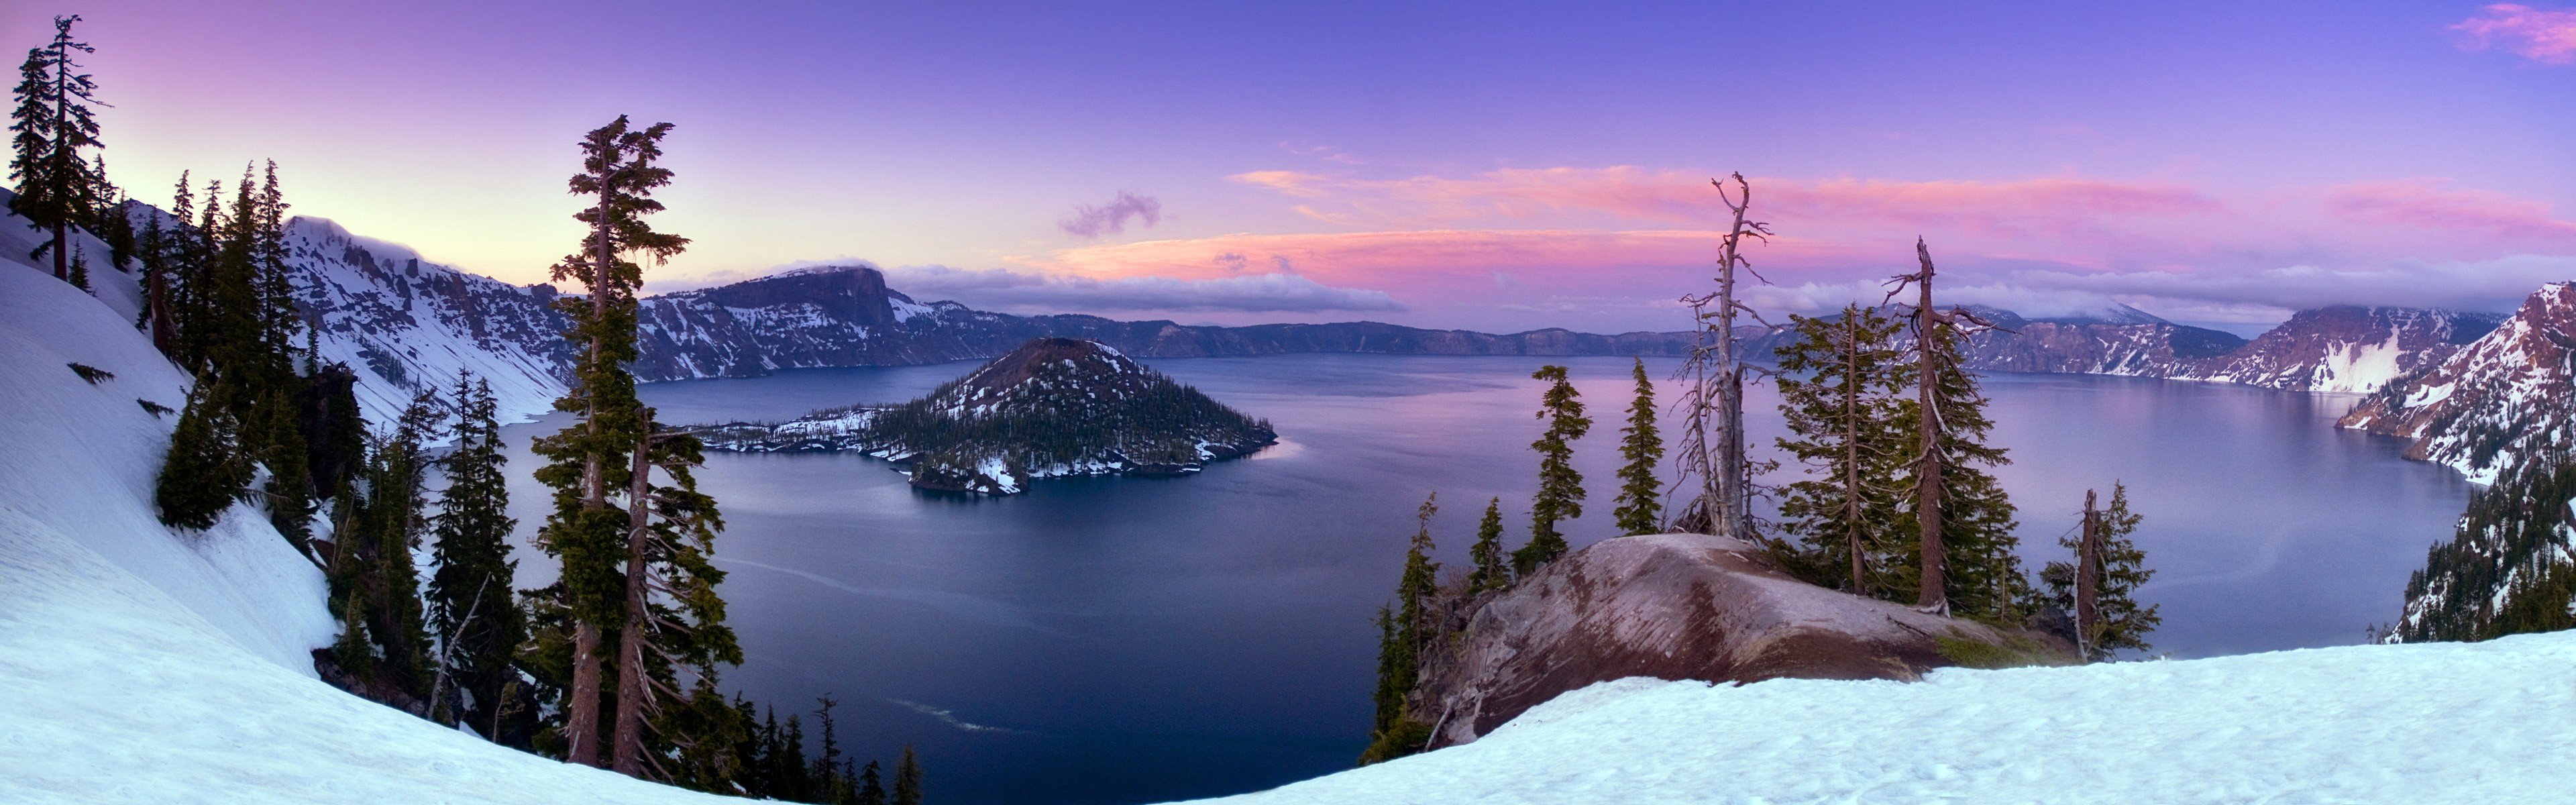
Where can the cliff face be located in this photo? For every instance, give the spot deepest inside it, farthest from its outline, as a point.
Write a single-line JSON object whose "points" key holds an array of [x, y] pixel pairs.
{"points": [[2501, 399], [1684, 606]]}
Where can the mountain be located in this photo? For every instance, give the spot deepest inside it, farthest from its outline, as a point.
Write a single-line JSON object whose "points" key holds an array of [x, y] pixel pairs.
{"points": [[406, 324], [1053, 407], [2500, 399], [2347, 348]]}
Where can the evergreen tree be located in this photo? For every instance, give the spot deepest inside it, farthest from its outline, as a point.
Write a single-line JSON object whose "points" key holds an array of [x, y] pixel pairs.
{"points": [[53, 125], [827, 766], [871, 786], [2119, 568], [472, 596], [1405, 634], [1982, 574], [1487, 554], [620, 171], [1560, 487], [203, 473], [1838, 387], [907, 779], [1641, 509], [674, 617], [375, 586]]}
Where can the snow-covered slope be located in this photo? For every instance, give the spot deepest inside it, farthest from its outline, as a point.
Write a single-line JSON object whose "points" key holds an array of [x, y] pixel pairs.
{"points": [[2499, 400], [141, 665], [406, 325], [2347, 348], [2418, 724]]}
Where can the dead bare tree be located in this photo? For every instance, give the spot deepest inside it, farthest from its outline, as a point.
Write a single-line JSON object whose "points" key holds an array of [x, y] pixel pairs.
{"points": [[1931, 329], [2088, 578], [1712, 448]]}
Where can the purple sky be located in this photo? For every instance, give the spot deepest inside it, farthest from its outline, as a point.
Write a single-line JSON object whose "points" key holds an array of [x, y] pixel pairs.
{"points": [[1471, 165]]}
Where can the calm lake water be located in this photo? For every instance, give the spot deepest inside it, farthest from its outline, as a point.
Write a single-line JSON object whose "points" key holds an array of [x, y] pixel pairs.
{"points": [[1121, 640]]}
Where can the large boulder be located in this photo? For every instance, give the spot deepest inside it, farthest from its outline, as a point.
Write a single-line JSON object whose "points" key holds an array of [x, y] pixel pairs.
{"points": [[1686, 606]]}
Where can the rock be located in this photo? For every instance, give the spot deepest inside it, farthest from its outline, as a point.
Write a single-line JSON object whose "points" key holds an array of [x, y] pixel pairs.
{"points": [[1686, 606]]}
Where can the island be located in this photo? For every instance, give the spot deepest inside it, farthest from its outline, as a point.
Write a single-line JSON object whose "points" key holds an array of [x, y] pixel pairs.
{"points": [[1052, 407]]}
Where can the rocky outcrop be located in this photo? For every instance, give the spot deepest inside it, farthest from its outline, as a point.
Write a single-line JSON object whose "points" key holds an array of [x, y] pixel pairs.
{"points": [[1685, 606], [2492, 404]]}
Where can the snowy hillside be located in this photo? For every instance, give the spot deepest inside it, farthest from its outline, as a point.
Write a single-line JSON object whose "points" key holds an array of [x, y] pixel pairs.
{"points": [[2500, 400], [406, 325], [2434, 723], [145, 666]]}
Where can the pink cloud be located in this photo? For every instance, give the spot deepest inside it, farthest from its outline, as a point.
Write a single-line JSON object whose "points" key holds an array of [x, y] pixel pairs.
{"points": [[2429, 204], [2547, 36], [1629, 193]]}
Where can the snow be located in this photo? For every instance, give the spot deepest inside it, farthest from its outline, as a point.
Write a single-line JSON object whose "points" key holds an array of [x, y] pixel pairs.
{"points": [[2421, 723], [2359, 367], [146, 666]]}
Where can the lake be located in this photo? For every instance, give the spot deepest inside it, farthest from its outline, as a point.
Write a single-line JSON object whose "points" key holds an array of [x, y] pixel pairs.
{"points": [[1121, 640]]}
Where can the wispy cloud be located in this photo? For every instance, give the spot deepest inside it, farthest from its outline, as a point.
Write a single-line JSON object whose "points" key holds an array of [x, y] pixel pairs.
{"points": [[2547, 36], [1006, 289], [2435, 204], [1093, 221]]}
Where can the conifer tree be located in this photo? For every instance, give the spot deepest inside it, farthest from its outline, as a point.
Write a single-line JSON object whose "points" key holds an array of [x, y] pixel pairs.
{"points": [[1560, 487], [1838, 387], [620, 171], [1487, 554], [907, 779], [1404, 633], [2118, 568], [1712, 437], [1963, 559], [473, 595], [203, 473], [1979, 564], [375, 587], [871, 786], [53, 125], [673, 615], [1641, 509]]}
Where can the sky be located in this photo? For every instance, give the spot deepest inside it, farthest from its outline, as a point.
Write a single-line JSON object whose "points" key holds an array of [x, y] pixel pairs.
{"points": [[1491, 166]]}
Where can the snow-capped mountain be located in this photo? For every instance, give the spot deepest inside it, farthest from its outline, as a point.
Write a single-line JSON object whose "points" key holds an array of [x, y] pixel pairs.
{"points": [[2347, 348], [2495, 402], [406, 325]]}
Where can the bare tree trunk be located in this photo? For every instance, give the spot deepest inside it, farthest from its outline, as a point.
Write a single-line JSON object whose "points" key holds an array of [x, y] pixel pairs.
{"points": [[1934, 595], [1852, 508], [581, 721], [62, 252], [156, 309], [628, 748], [2088, 584], [583, 717]]}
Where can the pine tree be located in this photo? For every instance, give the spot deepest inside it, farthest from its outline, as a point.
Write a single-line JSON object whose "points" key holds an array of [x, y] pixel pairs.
{"points": [[1405, 634], [674, 617], [871, 786], [375, 587], [1560, 487], [907, 779], [53, 124], [203, 473], [1487, 554], [1981, 574], [2118, 568], [620, 170], [1838, 387], [1641, 509], [473, 595]]}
